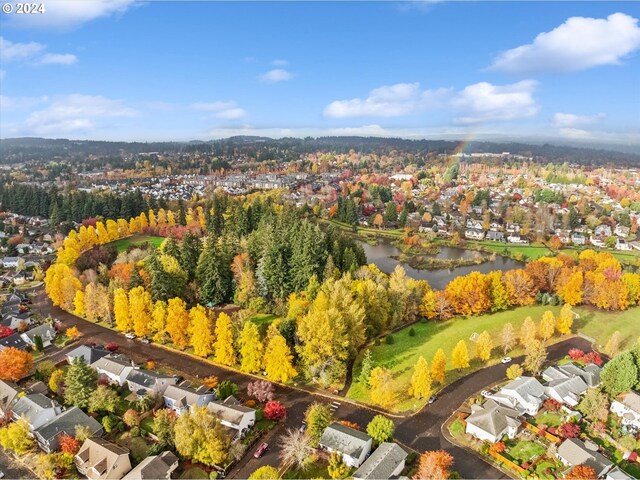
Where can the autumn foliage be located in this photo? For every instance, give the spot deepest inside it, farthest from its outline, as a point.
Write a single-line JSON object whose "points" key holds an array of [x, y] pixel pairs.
{"points": [[436, 464], [14, 364], [581, 472]]}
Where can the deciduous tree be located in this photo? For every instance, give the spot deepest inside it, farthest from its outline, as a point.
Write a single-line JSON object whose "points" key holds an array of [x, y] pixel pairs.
{"points": [[439, 366], [514, 371], [178, 322], [251, 348], [200, 437], [509, 339], [535, 355], [435, 464], [278, 360], [14, 364], [318, 417], [201, 331], [383, 389], [547, 326], [460, 355], [565, 320], [421, 380], [484, 346], [225, 353], [381, 429]]}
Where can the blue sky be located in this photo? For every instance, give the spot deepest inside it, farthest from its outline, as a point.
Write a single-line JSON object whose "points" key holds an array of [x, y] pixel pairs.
{"points": [[161, 70]]}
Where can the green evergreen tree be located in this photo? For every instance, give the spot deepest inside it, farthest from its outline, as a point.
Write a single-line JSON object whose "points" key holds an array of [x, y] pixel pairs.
{"points": [[80, 381]]}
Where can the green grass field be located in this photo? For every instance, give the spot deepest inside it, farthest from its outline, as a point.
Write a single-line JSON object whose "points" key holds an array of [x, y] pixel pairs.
{"points": [[124, 243], [403, 354]]}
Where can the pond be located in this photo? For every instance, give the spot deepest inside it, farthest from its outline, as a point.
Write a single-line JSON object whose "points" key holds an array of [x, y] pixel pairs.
{"points": [[381, 254]]}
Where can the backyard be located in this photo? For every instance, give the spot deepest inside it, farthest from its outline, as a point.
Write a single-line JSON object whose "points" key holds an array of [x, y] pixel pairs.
{"points": [[402, 355]]}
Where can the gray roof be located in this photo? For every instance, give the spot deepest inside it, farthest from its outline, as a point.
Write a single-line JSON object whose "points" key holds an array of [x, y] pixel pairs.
{"points": [[8, 392], [590, 373], [575, 452], [66, 422], [230, 410], [30, 406], [114, 364], [382, 463], [145, 378], [493, 417], [90, 354], [343, 439], [153, 467], [46, 332], [526, 386], [571, 387], [186, 396], [14, 341], [618, 474], [631, 400]]}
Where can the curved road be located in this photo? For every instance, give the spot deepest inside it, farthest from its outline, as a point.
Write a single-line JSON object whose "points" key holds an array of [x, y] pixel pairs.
{"points": [[420, 431]]}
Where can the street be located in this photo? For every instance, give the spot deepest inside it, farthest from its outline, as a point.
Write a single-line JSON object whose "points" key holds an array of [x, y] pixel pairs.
{"points": [[420, 431]]}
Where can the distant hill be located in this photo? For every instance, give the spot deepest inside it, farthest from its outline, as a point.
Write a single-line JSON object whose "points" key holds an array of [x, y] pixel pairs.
{"points": [[264, 148]]}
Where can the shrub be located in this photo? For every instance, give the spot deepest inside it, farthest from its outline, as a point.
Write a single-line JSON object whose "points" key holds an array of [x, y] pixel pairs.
{"points": [[593, 357], [131, 418], [552, 405], [576, 354], [569, 430], [412, 332], [135, 432], [275, 410], [390, 340], [259, 414]]}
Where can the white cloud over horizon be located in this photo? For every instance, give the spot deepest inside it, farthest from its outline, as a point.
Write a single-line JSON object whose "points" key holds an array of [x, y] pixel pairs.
{"points": [[572, 120], [57, 59], [484, 102], [578, 44], [222, 110], [276, 75], [395, 100]]}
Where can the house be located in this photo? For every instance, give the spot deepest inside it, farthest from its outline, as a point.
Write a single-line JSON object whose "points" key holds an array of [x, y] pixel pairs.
{"points": [[491, 421], [474, 224], [566, 390], [145, 382], [8, 394], [353, 445], [513, 228], [495, 236], [524, 394], [115, 368], [597, 241], [474, 234], [386, 462], [14, 341], [513, 238], [17, 320], [232, 414], [578, 239], [621, 244], [590, 373], [46, 332], [603, 231], [617, 473], [10, 262], [181, 397], [574, 452], [36, 409], [154, 467], [88, 353], [48, 435], [622, 231], [98, 459], [627, 406]]}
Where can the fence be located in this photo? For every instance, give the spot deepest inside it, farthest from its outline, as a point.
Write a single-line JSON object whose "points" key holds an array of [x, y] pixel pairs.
{"points": [[508, 462], [547, 435]]}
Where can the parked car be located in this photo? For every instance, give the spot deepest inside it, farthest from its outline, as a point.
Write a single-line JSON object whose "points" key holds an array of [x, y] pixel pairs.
{"points": [[130, 336], [145, 341], [303, 426], [485, 393], [261, 450], [506, 360], [432, 399]]}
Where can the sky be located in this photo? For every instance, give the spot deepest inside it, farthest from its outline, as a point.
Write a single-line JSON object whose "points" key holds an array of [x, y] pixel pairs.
{"points": [[180, 70]]}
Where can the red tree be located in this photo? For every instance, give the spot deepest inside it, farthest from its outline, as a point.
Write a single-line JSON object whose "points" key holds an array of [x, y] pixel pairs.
{"points": [[593, 357], [5, 331], [576, 354], [69, 444], [569, 430], [552, 405], [275, 410]]}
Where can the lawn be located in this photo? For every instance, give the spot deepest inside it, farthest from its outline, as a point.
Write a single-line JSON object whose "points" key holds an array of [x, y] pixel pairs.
{"points": [[263, 318], [545, 465], [314, 469], [525, 451], [124, 243], [137, 445], [549, 419], [526, 252], [403, 354], [194, 473], [147, 424], [457, 428]]}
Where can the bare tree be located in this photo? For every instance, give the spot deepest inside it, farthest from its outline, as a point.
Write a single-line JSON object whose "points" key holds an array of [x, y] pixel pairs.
{"points": [[295, 448]]}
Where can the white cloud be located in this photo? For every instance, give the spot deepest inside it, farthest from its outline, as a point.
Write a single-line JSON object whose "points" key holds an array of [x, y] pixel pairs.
{"points": [[223, 110], [577, 44], [57, 59], [276, 75], [484, 102], [72, 13], [280, 63], [19, 103], [575, 134], [365, 130], [388, 101], [572, 120], [75, 113], [10, 51]]}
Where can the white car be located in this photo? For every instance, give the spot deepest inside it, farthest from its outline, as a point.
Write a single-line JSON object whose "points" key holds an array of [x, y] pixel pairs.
{"points": [[485, 393], [130, 336], [506, 360]]}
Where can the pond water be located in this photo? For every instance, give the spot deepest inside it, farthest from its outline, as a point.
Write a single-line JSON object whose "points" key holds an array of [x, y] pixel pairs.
{"points": [[381, 254]]}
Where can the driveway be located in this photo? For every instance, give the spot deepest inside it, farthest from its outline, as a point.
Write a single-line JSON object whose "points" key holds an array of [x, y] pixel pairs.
{"points": [[12, 469], [420, 431]]}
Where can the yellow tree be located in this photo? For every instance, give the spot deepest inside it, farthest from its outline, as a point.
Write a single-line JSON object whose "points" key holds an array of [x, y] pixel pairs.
{"points": [[383, 390], [571, 290], [460, 355], [69, 286], [178, 323], [484, 345], [439, 366], [143, 222], [121, 310], [171, 218], [78, 303], [509, 339], [421, 380], [123, 228], [134, 225], [103, 235], [547, 325], [201, 331], [152, 219], [565, 320], [112, 230], [140, 310], [162, 217], [251, 348], [225, 353], [527, 331], [278, 360], [159, 323]]}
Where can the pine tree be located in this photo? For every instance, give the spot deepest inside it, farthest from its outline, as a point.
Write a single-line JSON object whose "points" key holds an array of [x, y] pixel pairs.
{"points": [[214, 274], [225, 353], [190, 250], [460, 355], [421, 380], [201, 331], [80, 381], [121, 310], [278, 360], [251, 348], [439, 366], [484, 345]]}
